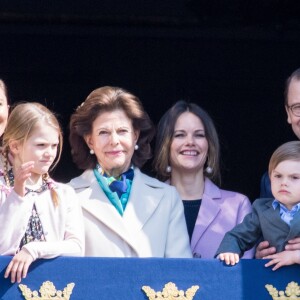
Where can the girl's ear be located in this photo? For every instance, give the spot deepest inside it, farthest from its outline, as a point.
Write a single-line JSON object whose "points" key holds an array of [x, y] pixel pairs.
{"points": [[14, 147]]}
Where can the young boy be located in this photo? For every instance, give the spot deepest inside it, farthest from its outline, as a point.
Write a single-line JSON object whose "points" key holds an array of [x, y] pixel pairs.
{"points": [[275, 220]]}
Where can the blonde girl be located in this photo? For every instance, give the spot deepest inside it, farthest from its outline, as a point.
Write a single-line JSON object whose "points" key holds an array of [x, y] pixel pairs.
{"points": [[39, 218]]}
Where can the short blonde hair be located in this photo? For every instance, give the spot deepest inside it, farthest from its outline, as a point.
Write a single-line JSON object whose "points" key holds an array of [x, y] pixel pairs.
{"points": [[287, 151]]}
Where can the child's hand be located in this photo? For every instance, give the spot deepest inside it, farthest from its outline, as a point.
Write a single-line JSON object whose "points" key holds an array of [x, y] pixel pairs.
{"points": [[284, 258], [21, 173], [18, 266], [229, 258]]}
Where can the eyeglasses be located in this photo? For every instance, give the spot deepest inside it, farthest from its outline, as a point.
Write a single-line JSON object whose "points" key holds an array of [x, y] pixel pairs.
{"points": [[295, 109]]}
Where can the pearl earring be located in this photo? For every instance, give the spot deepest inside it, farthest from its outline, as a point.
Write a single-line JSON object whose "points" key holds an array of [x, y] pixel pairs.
{"points": [[136, 147], [208, 170], [92, 151], [168, 169]]}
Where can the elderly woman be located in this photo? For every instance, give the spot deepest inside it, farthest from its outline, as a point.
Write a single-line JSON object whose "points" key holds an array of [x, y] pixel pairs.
{"points": [[187, 156], [127, 213]]}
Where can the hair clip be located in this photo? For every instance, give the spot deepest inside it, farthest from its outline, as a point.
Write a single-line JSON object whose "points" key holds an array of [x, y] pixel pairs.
{"points": [[80, 105]]}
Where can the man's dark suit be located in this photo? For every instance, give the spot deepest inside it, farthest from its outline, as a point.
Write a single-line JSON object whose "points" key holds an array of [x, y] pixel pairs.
{"points": [[265, 186]]}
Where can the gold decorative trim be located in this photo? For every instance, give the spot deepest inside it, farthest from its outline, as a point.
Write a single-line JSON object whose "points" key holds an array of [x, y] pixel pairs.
{"points": [[171, 292], [47, 291], [292, 291]]}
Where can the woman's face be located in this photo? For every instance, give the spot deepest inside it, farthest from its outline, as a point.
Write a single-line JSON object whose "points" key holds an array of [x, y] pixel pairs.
{"points": [[188, 151], [113, 139], [3, 111]]}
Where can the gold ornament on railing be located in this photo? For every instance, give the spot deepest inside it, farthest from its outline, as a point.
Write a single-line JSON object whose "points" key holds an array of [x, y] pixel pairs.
{"points": [[292, 291], [170, 292], [47, 291]]}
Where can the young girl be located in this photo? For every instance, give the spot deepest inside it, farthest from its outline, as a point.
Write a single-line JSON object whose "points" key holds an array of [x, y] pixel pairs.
{"points": [[39, 218], [276, 220]]}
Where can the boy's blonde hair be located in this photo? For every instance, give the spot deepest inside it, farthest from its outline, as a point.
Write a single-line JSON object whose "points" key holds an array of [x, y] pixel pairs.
{"points": [[22, 121], [287, 151]]}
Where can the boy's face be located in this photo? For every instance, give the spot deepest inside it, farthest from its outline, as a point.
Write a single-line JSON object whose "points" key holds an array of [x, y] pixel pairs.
{"points": [[285, 183]]}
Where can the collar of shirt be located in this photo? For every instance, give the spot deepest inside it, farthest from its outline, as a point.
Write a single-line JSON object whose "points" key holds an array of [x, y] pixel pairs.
{"points": [[286, 214]]}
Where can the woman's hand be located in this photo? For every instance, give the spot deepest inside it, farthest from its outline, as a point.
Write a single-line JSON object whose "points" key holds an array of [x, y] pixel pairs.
{"points": [[18, 266], [263, 249], [229, 258], [284, 258]]}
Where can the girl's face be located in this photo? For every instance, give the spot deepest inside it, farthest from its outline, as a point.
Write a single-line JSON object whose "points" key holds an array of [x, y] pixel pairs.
{"points": [[188, 151], [285, 183], [40, 147], [3, 111], [113, 139]]}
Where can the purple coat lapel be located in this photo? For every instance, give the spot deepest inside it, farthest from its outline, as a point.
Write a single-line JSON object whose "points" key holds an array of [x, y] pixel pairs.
{"points": [[208, 211]]}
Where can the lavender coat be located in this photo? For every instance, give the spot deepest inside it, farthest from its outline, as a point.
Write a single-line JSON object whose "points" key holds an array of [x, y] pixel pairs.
{"points": [[220, 211]]}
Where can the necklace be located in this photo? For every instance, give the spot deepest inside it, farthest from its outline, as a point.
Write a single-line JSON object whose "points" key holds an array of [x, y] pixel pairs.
{"points": [[41, 188]]}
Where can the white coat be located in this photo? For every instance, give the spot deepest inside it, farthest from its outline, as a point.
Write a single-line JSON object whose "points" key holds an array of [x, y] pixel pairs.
{"points": [[152, 225]]}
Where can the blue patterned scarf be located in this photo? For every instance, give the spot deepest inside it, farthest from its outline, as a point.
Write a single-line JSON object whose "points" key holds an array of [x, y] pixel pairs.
{"points": [[116, 189]]}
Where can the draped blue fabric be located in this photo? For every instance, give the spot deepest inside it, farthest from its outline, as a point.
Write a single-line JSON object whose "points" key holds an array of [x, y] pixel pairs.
{"points": [[94, 278], [120, 185]]}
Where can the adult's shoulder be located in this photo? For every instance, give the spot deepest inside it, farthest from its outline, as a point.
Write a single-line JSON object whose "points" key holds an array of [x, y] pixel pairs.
{"points": [[151, 181], [265, 186], [216, 192], [61, 187], [82, 181]]}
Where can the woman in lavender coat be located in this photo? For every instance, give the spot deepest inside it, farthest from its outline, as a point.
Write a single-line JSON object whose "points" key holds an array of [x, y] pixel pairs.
{"points": [[187, 157]]}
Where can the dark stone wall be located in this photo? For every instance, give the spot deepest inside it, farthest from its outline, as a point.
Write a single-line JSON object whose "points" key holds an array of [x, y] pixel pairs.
{"points": [[233, 64]]}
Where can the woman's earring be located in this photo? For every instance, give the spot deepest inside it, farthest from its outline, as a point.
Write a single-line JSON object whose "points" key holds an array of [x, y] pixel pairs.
{"points": [[208, 170], [136, 147], [168, 169], [92, 151]]}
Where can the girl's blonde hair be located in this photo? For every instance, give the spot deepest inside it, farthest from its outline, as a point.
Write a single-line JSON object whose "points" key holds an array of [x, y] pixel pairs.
{"points": [[287, 151], [22, 121]]}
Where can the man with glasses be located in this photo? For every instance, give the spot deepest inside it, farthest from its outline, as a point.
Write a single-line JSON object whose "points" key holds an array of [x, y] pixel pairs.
{"points": [[292, 107]]}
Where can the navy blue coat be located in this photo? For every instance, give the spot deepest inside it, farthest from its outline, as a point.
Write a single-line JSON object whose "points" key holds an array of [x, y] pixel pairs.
{"points": [[265, 187]]}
